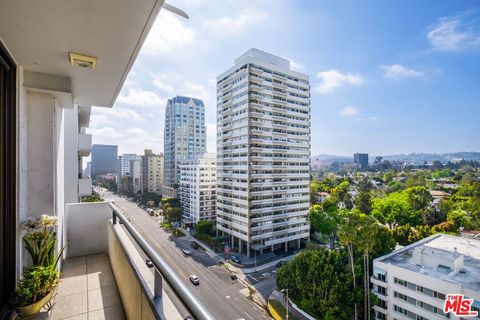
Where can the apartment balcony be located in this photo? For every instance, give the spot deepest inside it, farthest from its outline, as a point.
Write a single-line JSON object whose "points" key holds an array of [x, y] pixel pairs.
{"points": [[104, 275], [377, 281], [84, 186], [84, 144]]}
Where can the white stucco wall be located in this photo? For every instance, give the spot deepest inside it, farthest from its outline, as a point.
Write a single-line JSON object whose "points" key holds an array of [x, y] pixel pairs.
{"points": [[86, 228]]}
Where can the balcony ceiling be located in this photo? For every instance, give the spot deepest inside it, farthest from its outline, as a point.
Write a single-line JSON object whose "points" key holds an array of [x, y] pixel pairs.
{"points": [[40, 34]]}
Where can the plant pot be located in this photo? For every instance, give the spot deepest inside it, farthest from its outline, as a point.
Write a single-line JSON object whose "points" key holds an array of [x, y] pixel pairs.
{"points": [[35, 308]]}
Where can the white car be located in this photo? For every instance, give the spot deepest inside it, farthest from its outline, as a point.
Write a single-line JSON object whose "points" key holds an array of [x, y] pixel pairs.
{"points": [[194, 279]]}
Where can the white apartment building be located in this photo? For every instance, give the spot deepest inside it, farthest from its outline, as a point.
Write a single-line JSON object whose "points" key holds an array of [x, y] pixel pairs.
{"points": [[198, 182], [136, 174], [124, 168], [152, 172], [263, 153], [412, 282]]}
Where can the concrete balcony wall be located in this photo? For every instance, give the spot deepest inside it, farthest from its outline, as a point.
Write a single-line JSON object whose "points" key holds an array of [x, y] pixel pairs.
{"points": [[90, 230], [84, 187], [86, 228], [84, 144]]}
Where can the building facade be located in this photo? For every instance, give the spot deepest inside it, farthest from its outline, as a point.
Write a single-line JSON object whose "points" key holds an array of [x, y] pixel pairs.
{"points": [[413, 282], [263, 153], [152, 172], [104, 160], [184, 138], [124, 171], [197, 192], [361, 160]]}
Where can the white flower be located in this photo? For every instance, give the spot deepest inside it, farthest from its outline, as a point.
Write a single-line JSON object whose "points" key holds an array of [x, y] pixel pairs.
{"points": [[47, 221]]}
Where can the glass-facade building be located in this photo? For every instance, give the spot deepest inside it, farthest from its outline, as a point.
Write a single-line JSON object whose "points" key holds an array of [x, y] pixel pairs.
{"points": [[184, 138]]}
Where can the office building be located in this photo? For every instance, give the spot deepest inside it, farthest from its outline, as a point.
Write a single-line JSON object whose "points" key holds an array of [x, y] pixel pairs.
{"points": [[104, 160], [152, 172], [361, 160], [263, 153], [198, 182], [184, 138], [124, 172], [412, 282]]}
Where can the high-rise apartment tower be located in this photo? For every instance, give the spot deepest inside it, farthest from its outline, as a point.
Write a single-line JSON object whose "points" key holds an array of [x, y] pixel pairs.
{"points": [[263, 153], [184, 138]]}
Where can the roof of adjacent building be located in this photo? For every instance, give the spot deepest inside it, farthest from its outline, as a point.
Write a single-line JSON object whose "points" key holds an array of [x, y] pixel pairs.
{"points": [[442, 247], [186, 100], [439, 193]]}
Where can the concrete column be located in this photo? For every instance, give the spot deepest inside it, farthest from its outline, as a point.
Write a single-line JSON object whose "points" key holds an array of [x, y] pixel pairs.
{"points": [[286, 246], [261, 251], [248, 250], [232, 241], [298, 243], [273, 247], [240, 245]]}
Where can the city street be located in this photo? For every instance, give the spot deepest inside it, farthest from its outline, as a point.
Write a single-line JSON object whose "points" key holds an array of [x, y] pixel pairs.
{"points": [[225, 298]]}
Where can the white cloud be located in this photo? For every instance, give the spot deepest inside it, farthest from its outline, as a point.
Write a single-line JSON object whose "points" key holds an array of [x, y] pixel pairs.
{"points": [[333, 79], [140, 98], [168, 35], [229, 25], [396, 71], [348, 111], [454, 33]]}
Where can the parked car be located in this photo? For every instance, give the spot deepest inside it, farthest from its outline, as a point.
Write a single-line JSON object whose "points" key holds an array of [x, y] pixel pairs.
{"points": [[194, 245], [279, 264], [236, 259], [186, 251], [194, 279], [149, 263]]}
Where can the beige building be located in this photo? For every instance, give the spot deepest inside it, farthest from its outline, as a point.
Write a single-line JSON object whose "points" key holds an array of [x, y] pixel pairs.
{"points": [[152, 172]]}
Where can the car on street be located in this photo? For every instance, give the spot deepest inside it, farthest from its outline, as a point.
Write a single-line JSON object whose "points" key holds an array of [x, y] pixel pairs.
{"points": [[236, 259], [279, 264], [149, 263], [194, 245], [194, 279], [186, 251]]}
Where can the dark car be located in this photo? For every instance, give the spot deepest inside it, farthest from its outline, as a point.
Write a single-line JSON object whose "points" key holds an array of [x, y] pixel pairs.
{"points": [[280, 263], [194, 245], [149, 263], [236, 259]]}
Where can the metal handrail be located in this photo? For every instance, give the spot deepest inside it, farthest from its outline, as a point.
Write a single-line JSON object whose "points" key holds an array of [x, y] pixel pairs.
{"points": [[197, 309]]}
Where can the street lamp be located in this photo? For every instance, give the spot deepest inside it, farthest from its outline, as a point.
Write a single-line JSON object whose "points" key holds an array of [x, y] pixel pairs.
{"points": [[283, 290]]}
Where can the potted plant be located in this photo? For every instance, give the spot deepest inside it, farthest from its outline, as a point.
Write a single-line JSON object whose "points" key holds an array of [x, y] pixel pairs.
{"points": [[35, 289], [40, 240], [39, 281]]}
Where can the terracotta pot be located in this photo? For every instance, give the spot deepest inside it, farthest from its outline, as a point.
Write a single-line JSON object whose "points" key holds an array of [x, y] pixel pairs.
{"points": [[37, 306]]}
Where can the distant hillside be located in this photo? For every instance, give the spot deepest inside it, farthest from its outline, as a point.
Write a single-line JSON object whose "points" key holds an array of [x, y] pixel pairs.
{"points": [[332, 158], [412, 157], [429, 157]]}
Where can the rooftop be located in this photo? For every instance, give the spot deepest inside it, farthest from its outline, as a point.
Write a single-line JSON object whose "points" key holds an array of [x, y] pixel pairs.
{"points": [[448, 258]]}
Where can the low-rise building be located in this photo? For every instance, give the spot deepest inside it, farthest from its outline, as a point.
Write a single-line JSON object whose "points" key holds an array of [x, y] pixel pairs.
{"points": [[413, 282], [198, 183]]}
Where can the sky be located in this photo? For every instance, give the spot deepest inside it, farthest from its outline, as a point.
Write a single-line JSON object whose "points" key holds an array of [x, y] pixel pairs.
{"points": [[387, 77]]}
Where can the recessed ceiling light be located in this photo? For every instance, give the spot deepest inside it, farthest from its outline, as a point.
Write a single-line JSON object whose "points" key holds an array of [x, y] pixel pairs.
{"points": [[82, 60]]}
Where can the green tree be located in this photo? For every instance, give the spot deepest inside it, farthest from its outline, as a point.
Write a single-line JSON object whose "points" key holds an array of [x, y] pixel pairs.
{"points": [[459, 218], [319, 283], [325, 221], [395, 209], [204, 227]]}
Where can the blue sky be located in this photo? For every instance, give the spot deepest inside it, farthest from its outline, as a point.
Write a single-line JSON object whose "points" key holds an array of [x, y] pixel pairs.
{"points": [[387, 77]]}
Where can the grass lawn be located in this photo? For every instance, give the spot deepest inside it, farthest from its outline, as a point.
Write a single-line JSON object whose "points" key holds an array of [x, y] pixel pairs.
{"points": [[178, 233], [165, 225], [281, 310]]}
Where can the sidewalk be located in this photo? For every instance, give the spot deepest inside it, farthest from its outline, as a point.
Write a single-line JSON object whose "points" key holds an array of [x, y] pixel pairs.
{"points": [[220, 258]]}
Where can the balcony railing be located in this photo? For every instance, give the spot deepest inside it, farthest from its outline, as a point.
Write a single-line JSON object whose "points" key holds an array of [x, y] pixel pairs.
{"points": [[164, 271]]}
